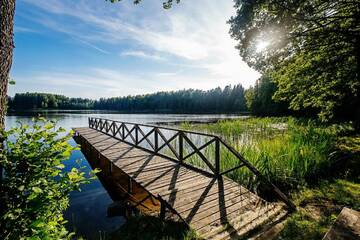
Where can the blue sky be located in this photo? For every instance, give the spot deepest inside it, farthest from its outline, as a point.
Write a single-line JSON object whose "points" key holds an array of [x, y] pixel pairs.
{"points": [[93, 49]]}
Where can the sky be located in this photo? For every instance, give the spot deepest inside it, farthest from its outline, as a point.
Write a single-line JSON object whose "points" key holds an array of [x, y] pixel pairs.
{"points": [[93, 49]]}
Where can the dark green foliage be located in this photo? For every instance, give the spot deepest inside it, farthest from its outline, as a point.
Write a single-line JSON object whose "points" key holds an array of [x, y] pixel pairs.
{"points": [[35, 187], [229, 99], [313, 51], [259, 99], [22, 101]]}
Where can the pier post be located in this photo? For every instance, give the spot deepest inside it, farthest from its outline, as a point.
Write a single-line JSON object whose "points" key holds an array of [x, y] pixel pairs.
{"points": [[217, 157], [156, 140], [162, 209], [130, 188], [136, 134], [181, 147]]}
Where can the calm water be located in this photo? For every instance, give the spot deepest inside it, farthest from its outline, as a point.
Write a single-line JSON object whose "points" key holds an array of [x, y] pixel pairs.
{"points": [[87, 211]]}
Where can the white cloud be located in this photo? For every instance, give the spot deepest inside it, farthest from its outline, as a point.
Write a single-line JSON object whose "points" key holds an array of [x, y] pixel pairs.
{"points": [[193, 35], [90, 83], [19, 29], [102, 82], [141, 54]]}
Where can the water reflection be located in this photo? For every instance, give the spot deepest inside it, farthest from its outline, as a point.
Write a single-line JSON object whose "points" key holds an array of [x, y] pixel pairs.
{"points": [[88, 208]]}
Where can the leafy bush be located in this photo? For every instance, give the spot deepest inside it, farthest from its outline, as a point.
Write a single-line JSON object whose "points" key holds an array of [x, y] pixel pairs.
{"points": [[35, 186]]}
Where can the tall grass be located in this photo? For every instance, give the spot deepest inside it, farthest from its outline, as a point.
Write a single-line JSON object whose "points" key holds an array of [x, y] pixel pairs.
{"points": [[287, 151]]}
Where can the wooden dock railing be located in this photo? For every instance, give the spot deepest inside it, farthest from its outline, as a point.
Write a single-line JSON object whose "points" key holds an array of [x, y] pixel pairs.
{"points": [[154, 138]]}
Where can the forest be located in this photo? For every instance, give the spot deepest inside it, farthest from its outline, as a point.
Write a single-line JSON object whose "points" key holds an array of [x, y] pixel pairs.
{"points": [[230, 99]]}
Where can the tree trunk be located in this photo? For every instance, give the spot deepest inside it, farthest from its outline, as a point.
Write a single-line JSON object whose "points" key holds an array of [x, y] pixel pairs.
{"points": [[6, 51], [7, 10]]}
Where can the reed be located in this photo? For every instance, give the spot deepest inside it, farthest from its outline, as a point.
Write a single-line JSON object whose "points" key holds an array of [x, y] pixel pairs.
{"points": [[288, 151]]}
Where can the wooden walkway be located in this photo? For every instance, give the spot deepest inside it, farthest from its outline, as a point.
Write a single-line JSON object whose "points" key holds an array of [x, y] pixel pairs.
{"points": [[216, 207]]}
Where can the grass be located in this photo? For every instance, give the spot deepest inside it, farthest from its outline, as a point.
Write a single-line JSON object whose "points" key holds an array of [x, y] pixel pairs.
{"points": [[289, 152], [318, 209]]}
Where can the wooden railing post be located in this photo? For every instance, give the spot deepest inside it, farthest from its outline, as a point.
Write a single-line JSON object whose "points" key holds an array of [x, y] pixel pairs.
{"points": [[136, 134], [89, 122], [123, 131], [156, 139], [162, 209], [217, 157], [181, 146]]}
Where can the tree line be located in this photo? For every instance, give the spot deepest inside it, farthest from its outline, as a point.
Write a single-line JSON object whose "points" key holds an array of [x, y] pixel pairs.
{"points": [[258, 100], [31, 101], [230, 99]]}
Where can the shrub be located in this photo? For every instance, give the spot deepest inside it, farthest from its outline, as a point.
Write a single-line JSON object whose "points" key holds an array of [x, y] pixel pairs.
{"points": [[35, 186]]}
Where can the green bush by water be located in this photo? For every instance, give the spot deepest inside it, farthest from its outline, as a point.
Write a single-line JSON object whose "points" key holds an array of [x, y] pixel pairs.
{"points": [[36, 187]]}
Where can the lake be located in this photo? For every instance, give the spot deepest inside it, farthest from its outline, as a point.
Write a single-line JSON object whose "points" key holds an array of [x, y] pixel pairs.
{"points": [[87, 211]]}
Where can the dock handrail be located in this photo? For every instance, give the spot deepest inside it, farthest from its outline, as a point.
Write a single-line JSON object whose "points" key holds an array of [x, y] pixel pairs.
{"points": [[134, 134]]}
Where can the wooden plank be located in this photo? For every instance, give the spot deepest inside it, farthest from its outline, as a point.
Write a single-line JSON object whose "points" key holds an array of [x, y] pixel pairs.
{"points": [[153, 177], [242, 224], [147, 165], [171, 184], [346, 226], [188, 189], [164, 175], [212, 194], [211, 200], [223, 209]]}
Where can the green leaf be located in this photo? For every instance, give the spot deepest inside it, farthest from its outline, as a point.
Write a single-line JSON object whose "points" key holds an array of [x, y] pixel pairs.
{"points": [[60, 166], [37, 189]]}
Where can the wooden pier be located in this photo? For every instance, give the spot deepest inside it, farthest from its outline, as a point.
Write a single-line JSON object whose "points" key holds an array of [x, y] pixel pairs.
{"points": [[160, 161]]}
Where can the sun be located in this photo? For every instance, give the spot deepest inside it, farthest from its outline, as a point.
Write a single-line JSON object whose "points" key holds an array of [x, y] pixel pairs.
{"points": [[261, 45]]}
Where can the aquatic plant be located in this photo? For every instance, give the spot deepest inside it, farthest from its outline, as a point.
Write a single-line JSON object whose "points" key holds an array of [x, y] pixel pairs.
{"points": [[287, 151]]}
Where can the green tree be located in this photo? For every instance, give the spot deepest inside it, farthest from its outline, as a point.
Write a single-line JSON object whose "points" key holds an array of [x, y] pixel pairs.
{"points": [[259, 99], [311, 48]]}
